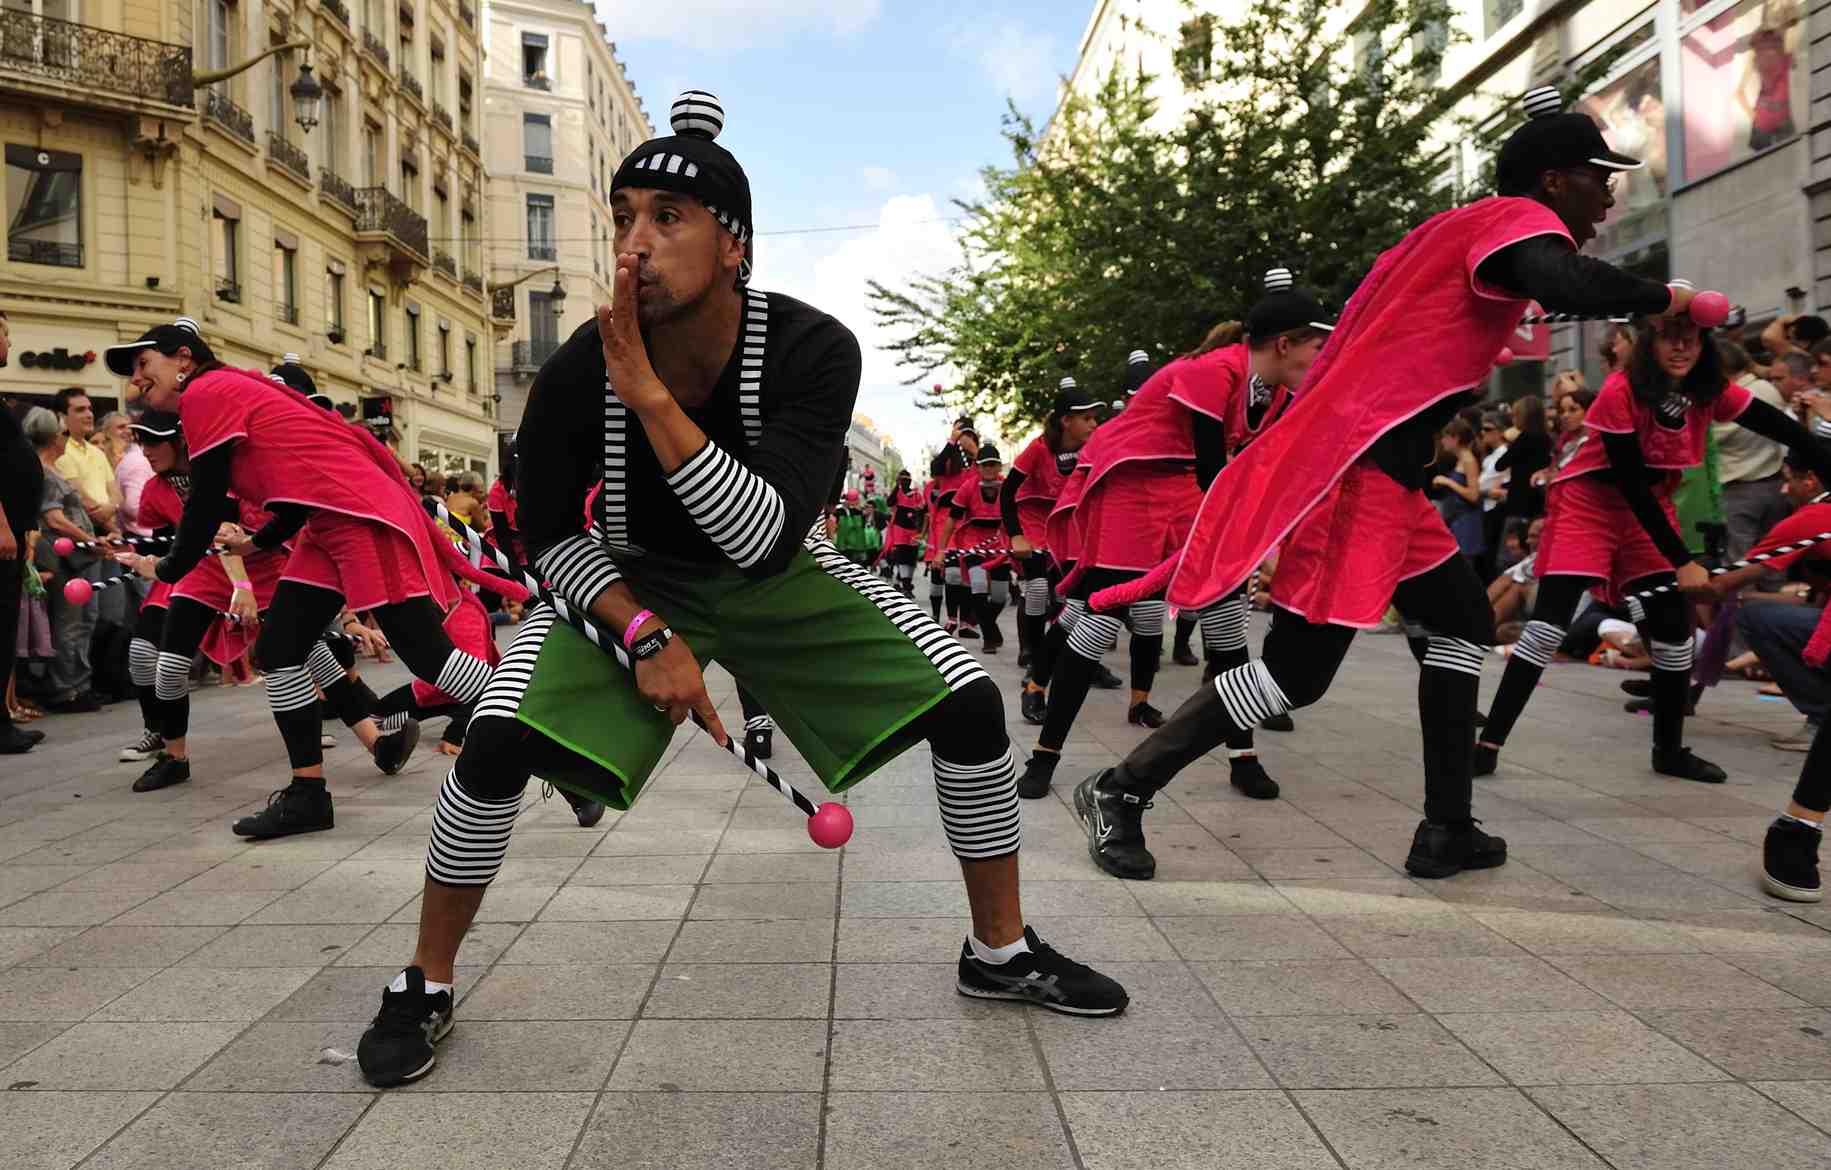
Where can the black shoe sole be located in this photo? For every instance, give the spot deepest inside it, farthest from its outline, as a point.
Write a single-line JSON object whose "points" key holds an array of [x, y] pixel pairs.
{"points": [[1019, 997], [1432, 869], [1279, 723], [431, 1060], [259, 836], [157, 787], [1779, 889]]}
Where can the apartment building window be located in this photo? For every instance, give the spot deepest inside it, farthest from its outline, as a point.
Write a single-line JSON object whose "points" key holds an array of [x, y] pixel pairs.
{"points": [[333, 301], [543, 327], [378, 325], [219, 31], [286, 277], [540, 228], [470, 364], [44, 191], [534, 60], [445, 351], [332, 116], [596, 266], [435, 78], [372, 174], [410, 185], [277, 97], [413, 337], [537, 142], [225, 240]]}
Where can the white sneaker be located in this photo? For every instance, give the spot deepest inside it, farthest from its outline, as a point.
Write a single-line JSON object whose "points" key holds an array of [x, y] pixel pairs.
{"points": [[145, 748], [326, 739]]}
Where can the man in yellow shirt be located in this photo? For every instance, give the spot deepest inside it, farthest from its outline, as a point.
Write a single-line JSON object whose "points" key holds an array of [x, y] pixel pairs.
{"points": [[84, 463]]}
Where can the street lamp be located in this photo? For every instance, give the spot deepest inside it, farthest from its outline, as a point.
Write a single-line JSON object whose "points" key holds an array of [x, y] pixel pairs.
{"points": [[557, 296], [307, 96]]}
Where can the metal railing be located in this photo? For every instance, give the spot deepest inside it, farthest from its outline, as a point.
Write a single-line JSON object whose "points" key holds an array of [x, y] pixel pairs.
{"points": [[537, 81], [538, 164], [337, 9], [531, 355], [442, 116], [471, 144], [372, 45], [287, 313], [411, 84], [94, 59], [502, 303], [542, 250], [219, 109], [378, 211], [377, 350], [288, 155], [29, 251], [336, 188], [444, 263], [229, 291], [473, 281]]}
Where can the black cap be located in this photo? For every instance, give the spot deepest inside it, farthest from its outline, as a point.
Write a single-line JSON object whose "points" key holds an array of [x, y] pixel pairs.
{"points": [[157, 426], [1551, 141], [965, 423], [1284, 307], [690, 162], [291, 374], [989, 454], [1071, 399], [183, 331]]}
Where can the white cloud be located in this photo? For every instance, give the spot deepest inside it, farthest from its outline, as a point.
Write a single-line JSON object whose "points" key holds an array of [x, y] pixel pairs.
{"points": [[721, 26], [1016, 60]]}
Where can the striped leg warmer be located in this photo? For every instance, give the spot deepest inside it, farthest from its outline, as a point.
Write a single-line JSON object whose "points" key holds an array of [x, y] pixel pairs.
{"points": [[979, 811], [470, 837]]}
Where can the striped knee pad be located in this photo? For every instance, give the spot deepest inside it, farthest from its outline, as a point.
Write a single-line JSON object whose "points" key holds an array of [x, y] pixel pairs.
{"points": [[171, 676], [1094, 634], [1224, 624], [1413, 629], [323, 666], [998, 592], [1036, 596], [1676, 656], [470, 837], [935, 587], [289, 688], [1538, 642], [979, 579], [142, 662], [951, 574], [979, 811], [1072, 613], [1147, 617], [1250, 694], [463, 676], [1458, 654]]}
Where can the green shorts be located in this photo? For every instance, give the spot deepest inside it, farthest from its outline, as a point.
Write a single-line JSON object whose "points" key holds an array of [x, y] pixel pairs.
{"points": [[842, 661]]}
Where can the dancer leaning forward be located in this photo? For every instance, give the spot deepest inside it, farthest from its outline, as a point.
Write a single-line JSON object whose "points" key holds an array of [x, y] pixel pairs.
{"points": [[714, 416], [1340, 480]]}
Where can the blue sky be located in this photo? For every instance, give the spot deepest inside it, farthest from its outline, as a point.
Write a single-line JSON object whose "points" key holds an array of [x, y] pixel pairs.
{"points": [[850, 112]]}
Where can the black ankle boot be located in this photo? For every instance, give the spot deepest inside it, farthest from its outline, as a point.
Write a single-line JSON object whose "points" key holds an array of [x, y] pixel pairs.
{"points": [[1789, 861], [1249, 776], [1113, 819], [1443, 849], [1038, 774]]}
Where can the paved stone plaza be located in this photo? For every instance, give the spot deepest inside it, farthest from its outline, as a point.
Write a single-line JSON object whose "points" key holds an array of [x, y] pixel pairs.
{"points": [[695, 984]]}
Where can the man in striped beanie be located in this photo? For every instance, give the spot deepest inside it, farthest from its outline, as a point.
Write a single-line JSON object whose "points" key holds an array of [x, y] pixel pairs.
{"points": [[709, 419]]}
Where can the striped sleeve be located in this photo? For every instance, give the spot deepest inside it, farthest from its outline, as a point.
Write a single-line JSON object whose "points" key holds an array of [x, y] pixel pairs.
{"points": [[578, 569], [738, 509], [1821, 427]]}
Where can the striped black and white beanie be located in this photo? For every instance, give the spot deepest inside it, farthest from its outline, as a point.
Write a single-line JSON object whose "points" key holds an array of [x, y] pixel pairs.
{"points": [[690, 162]]}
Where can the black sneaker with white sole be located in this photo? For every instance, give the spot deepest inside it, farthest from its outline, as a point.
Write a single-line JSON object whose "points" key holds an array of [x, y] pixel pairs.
{"points": [[1789, 861], [400, 734], [1113, 820], [1042, 976], [398, 1047], [1144, 715], [149, 745]]}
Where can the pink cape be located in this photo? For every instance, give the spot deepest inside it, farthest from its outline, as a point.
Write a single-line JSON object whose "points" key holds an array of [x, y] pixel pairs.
{"points": [[289, 451], [1419, 328], [1217, 384], [983, 524]]}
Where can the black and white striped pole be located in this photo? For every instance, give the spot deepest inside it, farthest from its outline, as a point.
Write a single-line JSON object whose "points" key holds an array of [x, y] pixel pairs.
{"points": [[1707, 310], [1803, 543], [829, 824]]}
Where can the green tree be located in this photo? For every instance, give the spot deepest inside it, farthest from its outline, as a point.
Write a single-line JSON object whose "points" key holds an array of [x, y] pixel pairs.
{"points": [[1307, 145]]}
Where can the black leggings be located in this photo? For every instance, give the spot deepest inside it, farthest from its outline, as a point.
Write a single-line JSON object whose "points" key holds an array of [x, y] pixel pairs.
{"points": [[400, 701], [1073, 663]]}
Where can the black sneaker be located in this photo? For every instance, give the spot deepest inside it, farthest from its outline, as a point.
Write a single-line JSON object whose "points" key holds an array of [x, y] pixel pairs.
{"points": [[1686, 765], [1441, 850], [1279, 723], [16, 741], [588, 811], [1023, 659], [397, 1048], [1640, 688], [1485, 760], [1042, 976], [300, 807], [1144, 715], [1114, 822], [1249, 776], [1104, 679], [1038, 774], [1183, 656], [1034, 706], [1789, 861], [1643, 705], [968, 632], [147, 747], [760, 742], [164, 773], [399, 736]]}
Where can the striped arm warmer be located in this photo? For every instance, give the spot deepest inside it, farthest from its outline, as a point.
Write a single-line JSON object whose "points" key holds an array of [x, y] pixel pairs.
{"points": [[470, 837], [733, 505], [979, 811], [578, 568]]}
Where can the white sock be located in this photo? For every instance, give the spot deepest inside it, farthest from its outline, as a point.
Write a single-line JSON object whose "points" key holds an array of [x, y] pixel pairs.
{"points": [[400, 984], [994, 956], [1818, 824], [1241, 753]]}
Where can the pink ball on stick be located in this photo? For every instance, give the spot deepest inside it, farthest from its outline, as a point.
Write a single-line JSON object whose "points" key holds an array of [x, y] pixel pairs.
{"points": [[1504, 357], [831, 826], [1709, 309], [63, 546], [78, 591]]}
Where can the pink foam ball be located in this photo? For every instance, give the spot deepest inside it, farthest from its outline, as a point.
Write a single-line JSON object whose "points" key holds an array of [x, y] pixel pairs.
{"points": [[78, 591], [63, 546], [1504, 357], [831, 826], [1709, 309]]}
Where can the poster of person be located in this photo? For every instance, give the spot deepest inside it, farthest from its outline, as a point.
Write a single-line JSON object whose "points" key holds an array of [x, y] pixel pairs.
{"points": [[1632, 112], [1743, 75]]}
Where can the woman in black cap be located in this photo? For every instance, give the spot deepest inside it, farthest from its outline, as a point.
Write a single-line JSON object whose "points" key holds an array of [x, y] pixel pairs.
{"points": [[973, 534]]}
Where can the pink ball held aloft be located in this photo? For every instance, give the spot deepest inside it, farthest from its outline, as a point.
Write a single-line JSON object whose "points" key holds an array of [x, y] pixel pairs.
{"points": [[831, 826], [1504, 357], [78, 592], [1709, 309]]}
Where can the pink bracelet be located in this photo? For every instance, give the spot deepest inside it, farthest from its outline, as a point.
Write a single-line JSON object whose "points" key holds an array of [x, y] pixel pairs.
{"points": [[629, 631]]}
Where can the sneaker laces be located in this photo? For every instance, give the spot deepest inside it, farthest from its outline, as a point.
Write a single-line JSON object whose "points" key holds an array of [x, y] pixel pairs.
{"points": [[400, 1013], [1043, 952]]}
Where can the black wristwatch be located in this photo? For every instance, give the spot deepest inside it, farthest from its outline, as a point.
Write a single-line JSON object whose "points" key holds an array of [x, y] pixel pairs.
{"points": [[647, 647]]}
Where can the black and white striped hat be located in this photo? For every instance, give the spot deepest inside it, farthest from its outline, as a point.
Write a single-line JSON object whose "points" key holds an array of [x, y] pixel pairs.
{"points": [[1285, 307], [690, 162], [1551, 140], [1137, 372]]}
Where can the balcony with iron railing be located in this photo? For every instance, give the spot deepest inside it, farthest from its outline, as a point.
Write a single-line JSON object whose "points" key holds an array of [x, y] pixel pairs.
{"points": [[377, 350], [542, 250], [473, 281], [337, 189], [411, 85], [379, 215], [442, 117], [287, 313], [502, 303], [537, 81], [284, 154], [528, 356], [442, 262], [336, 8], [471, 144], [371, 44], [90, 65], [467, 14], [219, 109], [55, 253]]}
